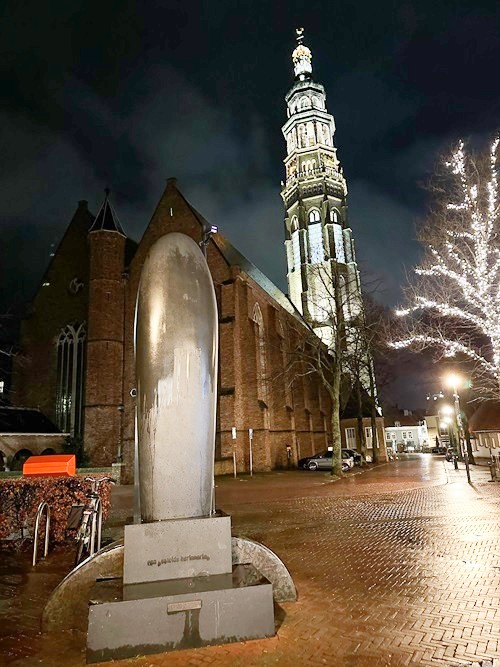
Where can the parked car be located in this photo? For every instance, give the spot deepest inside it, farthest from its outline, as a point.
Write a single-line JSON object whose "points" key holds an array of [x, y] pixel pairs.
{"points": [[323, 461], [354, 454], [438, 450]]}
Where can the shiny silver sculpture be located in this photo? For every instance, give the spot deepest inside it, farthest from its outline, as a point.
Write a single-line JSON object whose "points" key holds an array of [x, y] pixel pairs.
{"points": [[176, 364], [178, 574]]}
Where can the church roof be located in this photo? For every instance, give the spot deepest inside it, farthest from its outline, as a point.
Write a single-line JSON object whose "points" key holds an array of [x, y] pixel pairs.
{"points": [[486, 417], [106, 219], [234, 258]]}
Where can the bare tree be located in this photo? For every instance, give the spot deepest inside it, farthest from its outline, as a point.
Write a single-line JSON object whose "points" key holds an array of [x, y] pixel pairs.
{"points": [[454, 302], [335, 316]]}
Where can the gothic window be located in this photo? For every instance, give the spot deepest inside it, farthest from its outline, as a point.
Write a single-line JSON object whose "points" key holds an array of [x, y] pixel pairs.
{"points": [[316, 103], [70, 378], [311, 140], [326, 135], [283, 344], [304, 103], [334, 215], [260, 349], [314, 216], [302, 136], [295, 242]]}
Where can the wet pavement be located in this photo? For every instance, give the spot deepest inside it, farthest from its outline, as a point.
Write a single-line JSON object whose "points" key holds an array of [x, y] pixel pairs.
{"points": [[397, 565]]}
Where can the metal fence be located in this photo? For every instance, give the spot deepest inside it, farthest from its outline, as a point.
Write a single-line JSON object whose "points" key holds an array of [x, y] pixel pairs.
{"points": [[495, 467]]}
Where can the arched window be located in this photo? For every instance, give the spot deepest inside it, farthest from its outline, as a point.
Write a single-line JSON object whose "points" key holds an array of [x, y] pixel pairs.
{"points": [[302, 136], [70, 378], [295, 242], [326, 135], [283, 344], [305, 102], [260, 349], [315, 237], [311, 139], [334, 215], [316, 103]]}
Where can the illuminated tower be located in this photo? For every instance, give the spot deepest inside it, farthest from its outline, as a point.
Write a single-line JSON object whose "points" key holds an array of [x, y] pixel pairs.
{"points": [[318, 243]]}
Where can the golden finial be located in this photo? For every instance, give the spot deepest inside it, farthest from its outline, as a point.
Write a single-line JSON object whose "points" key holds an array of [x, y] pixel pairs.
{"points": [[300, 34]]}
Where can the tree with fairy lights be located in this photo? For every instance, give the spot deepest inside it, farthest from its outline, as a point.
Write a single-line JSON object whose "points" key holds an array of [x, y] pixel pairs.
{"points": [[454, 303]]}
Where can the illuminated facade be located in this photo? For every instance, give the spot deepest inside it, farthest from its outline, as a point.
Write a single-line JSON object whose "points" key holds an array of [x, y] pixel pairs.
{"points": [[318, 243]]}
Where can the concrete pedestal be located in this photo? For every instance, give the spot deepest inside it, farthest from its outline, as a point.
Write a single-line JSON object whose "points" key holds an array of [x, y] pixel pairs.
{"points": [[179, 590], [130, 620]]}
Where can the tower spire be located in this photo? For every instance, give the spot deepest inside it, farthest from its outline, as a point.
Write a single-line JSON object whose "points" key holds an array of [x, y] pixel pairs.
{"points": [[106, 219], [301, 58]]}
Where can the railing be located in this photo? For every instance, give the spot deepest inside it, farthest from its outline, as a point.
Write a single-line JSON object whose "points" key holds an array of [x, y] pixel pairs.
{"points": [[43, 506], [313, 173], [495, 467]]}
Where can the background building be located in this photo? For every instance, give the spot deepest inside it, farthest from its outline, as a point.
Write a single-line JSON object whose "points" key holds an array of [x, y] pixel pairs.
{"points": [[78, 336]]}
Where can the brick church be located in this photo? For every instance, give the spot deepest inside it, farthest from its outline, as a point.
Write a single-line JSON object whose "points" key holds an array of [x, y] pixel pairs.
{"points": [[77, 341]]}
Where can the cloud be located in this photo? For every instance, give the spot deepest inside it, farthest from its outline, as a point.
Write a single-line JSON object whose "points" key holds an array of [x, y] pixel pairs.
{"points": [[384, 233]]}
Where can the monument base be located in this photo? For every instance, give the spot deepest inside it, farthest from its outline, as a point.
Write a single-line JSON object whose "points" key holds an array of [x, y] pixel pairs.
{"points": [[177, 549], [129, 620]]}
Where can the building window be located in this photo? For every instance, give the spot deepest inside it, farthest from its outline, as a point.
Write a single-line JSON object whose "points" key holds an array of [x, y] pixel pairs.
{"points": [[2, 386], [260, 349], [311, 138], [315, 237], [387, 435], [334, 215], [70, 378], [350, 436], [305, 103]]}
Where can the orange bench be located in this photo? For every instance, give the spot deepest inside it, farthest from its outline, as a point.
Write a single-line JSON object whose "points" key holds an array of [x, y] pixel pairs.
{"points": [[50, 465]]}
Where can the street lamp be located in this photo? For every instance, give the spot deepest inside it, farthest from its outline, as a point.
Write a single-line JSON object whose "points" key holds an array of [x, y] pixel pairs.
{"points": [[453, 381]]}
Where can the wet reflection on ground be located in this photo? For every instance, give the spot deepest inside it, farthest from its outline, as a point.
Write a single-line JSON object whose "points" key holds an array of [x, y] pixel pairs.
{"points": [[396, 566]]}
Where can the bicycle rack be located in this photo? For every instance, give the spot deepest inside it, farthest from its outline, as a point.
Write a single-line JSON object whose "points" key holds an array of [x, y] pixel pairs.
{"points": [[43, 506], [96, 524]]}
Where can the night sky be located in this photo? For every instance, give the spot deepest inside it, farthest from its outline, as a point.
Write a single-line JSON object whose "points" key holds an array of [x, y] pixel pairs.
{"points": [[124, 94]]}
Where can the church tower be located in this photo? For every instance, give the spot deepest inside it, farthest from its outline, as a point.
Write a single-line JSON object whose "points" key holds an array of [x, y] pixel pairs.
{"points": [[105, 342], [318, 243]]}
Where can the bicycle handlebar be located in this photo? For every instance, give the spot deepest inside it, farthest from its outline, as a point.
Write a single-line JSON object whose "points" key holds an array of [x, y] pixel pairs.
{"points": [[99, 480]]}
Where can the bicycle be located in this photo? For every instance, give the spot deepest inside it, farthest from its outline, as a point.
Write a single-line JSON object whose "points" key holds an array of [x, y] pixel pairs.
{"points": [[88, 521]]}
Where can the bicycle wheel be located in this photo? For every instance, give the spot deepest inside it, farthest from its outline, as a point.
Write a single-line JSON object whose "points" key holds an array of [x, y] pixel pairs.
{"points": [[83, 540]]}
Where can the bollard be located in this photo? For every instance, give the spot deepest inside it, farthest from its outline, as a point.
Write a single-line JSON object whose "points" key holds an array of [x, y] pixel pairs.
{"points": [[455, 462]]}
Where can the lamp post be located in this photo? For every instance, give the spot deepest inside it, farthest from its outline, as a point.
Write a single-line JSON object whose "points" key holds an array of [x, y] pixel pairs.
{"points": [[453, 382]]}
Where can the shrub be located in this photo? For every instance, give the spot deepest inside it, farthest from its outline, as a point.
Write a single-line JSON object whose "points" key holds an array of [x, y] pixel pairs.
{"points": [[20, 498]]}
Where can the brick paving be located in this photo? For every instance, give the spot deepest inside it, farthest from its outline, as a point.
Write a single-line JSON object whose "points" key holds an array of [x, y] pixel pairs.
{"points": [[396, 566]]}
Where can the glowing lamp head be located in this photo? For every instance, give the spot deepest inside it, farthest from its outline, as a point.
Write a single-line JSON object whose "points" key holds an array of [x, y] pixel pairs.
{"points": [[447, 410], [453, 380]]}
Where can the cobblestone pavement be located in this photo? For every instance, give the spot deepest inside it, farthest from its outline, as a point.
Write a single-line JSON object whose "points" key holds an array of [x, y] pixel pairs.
{"points": [[396, 566]]}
